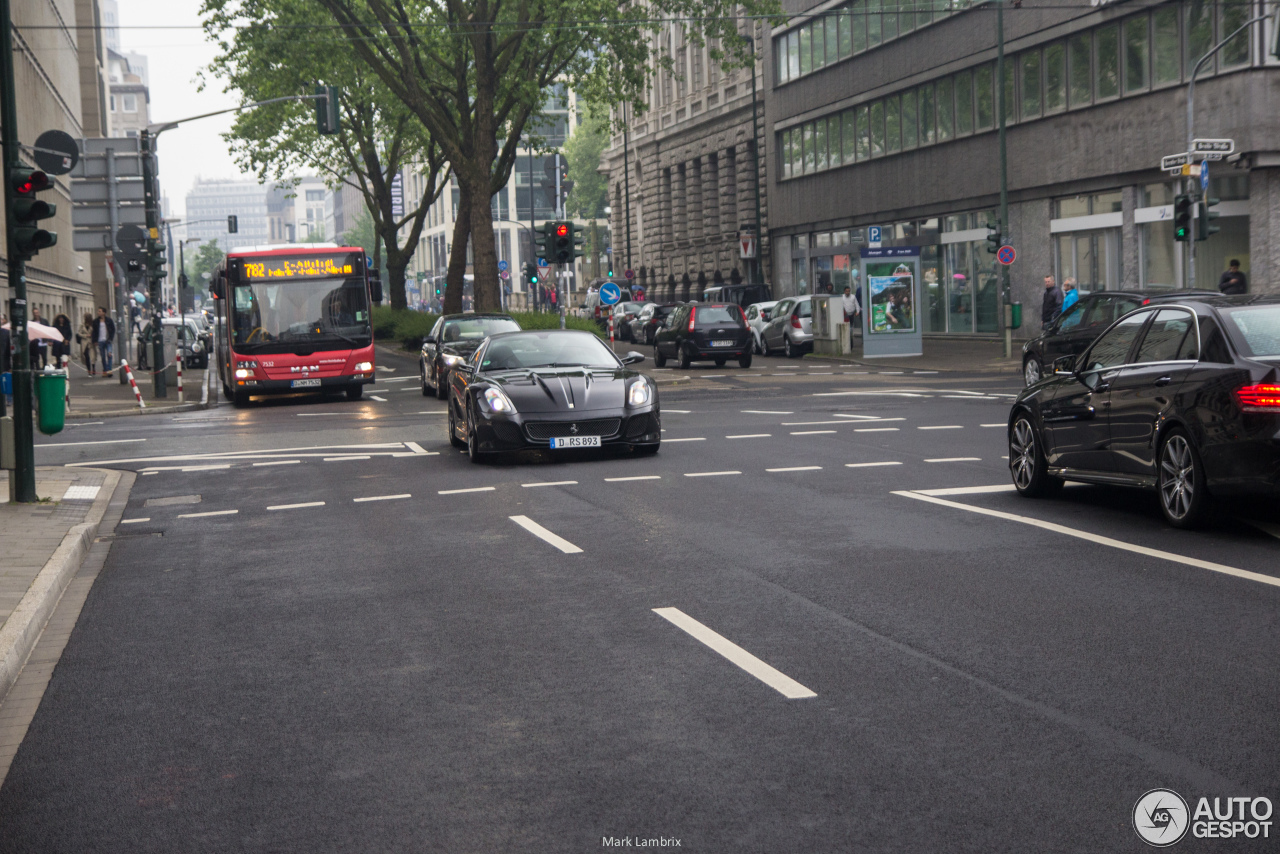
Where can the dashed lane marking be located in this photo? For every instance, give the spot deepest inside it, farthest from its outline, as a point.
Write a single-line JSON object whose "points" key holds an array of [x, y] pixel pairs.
{"points": [[750, 436], [871, 465], [207, 513], [340, 459], [993, 425], [379, 399], [968, 490], [796, 468], [135, 521], [693, 439], [955, 460], [810, 432], [296, 506], [679, 411], [869, 394], [876, 430], [814, 423], [710, 473], [551, 483], [768, 412], [771, 676], [100, 442], [279, 463], [382, 498], [635, 477], [1097, 538], [942, 427], [546, 536], [461, 491]]}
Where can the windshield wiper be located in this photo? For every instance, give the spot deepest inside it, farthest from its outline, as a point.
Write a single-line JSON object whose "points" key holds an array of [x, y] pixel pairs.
{"points": [[353, 342]]}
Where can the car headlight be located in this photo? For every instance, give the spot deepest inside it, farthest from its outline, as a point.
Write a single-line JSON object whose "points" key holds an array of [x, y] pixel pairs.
{"points": [[364, 367], [450, 360], [640, 394], [498, 402]]}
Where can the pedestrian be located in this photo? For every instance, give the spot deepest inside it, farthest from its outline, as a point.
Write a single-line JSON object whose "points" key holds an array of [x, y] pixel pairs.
{"points": [[104, 333], [1070, 296], [1233, 281], [88, 351], [62, 323], [38, 347], [1051, 306], [852, 311]]}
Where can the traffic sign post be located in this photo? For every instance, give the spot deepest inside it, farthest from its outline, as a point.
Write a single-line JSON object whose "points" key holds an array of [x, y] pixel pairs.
{"points": [[610, 293], [1007, 255]]}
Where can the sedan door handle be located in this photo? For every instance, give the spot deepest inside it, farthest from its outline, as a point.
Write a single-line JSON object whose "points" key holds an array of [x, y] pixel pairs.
{"points": [[1163, 381]]}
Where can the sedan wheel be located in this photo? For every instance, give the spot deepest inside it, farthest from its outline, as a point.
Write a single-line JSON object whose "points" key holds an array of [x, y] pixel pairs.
{"points": [[1032, 371], [427, 391], [685, 360], [787, 349], [1027, 463], [1181, 481], [473, 445], [659, 360], [453, 429]]}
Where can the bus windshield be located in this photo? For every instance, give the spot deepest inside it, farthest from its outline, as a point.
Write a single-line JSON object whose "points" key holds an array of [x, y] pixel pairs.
{"points": [[279, 317]]}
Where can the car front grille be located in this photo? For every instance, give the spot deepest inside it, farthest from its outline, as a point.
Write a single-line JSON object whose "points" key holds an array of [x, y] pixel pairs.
{"points": [[507, 432], [543, 430]]}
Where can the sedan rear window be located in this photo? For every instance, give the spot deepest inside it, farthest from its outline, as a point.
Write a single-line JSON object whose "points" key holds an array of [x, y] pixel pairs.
{"points": [[718, 314], [1258, 328]]}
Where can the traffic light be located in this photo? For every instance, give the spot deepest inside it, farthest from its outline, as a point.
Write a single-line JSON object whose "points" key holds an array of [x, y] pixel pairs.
{"points": [[579, 242], [27, 212], [156, 261], [1182, 217], [327, 115], [547, 241], [233, 224], [563, 242], [531, 272], [1205, 218], [994, 239]]}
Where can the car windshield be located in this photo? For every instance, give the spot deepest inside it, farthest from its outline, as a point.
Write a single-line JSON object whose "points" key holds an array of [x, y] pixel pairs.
{"points": [[552, 349], [1257, 328], [474, 329], [281, 317]]}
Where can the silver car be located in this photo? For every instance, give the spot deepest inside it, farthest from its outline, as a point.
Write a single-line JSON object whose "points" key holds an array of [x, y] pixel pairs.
{"points": [[790, 327], [758, 315]]}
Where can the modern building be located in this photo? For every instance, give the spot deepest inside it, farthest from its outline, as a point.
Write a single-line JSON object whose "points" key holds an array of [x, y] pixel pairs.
{"points": [[686, 173], [210, 202], [888, 118], [301, 211]]}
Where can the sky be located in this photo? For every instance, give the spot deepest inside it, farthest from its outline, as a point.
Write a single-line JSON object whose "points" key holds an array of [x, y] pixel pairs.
{"points": [[175, 57]]}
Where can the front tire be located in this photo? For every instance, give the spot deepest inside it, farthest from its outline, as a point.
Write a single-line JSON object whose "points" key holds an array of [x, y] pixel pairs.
{"points": [[473, 444], [453, 429], [685, 360], [442, 386], [1027, 463], [659, 360], [1032, 371], [788, 350], [427, 391], [1184, 500], [355, 392]]}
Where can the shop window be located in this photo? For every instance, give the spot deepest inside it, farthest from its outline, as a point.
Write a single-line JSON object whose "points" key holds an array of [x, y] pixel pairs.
{"points": [[858, 21], [964, 103], [873, 22], [863, 146], [1137, 42], [845, 34], [806, 49], [1029, 63], [1166, 49], [820, 158], [1199, 35], [1213, 255], [847, 136], [1107, 79], [892, 125], [877, 129], [822, 238], [910, 119], [946, 110], [840, 238], [984, 97], [1234, 53], [1055, 78], [926, 114], [1230, 188], [889, 20], [1080, 69]]}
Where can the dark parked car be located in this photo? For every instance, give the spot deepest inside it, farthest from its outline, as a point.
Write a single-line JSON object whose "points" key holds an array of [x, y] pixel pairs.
{"points": [[743, 295], [649, 320], [452, 341], [623, 314], [1181, 397], [551, 389], [1076, 328], [698, 333]]}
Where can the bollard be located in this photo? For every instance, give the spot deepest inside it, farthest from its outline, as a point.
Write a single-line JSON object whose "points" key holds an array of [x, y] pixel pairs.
{"points": [[179, 361], [137, 394], [610, 327], [66, 372]]}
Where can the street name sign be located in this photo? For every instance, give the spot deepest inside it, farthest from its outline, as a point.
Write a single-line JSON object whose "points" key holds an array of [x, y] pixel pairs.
{"points": [[1174, 162], [1213, 146]]}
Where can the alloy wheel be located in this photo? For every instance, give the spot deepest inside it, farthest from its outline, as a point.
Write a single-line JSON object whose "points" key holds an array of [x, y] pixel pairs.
{"points": [[1031, 372], [1177, 477], [786, 346], [1022, 454]]}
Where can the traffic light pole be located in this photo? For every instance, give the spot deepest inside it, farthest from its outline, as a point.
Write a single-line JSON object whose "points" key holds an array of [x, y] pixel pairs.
{"points": [[153, 281], [22, 483], [1002, 109]]}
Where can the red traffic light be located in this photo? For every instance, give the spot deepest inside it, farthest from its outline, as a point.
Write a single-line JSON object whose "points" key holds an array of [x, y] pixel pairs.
{"points": [[27, 182], [562, 229]]}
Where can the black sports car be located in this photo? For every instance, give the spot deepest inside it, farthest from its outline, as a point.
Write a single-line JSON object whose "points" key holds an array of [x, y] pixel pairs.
{"points": [[1180, 397], [452, 341], [551, 389]]}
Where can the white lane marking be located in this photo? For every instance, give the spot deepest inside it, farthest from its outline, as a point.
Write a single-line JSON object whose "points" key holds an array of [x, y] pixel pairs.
{"points": [[821, 373], [74, 493], [859, 417], [695, 439], [340, 459], [955, 460], [797, 468], [395, 379], [891, 372], [1101, 540], [278, 463], [543, 534], [415, 447], [208, 513], [870, 394], [135, 521], [787, 367], [876, 430], [145, 473], [637, 477], [942, 427], [101, 442], [924, 372], [385, 368], [85, 423], [154, 469], [750, 436], [871, 465], [679, 411], [379, 399], [966, 397], [774, 678], [551, 483], [296, 506], [323, 414], [968, 490], [768, 412], [248, 455], [863, 421], [709, 473], [461, 491], [433, 412], [382, 498], [810, 432], [993, 425]]}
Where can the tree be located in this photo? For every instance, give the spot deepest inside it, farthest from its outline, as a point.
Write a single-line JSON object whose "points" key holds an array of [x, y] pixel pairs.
{"points": [[362, 234], [474, 73], [204, 260], [590, 191], [277, 48]]}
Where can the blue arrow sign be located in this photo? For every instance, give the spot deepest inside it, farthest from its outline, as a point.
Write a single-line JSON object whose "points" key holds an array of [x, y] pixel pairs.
{"points": [[503, 266], [610, 293], [542, 262]]}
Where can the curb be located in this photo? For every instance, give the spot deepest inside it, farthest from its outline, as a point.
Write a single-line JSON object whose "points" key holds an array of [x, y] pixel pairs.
{"points": [[20, 632], [152, 410], [983, 369]]}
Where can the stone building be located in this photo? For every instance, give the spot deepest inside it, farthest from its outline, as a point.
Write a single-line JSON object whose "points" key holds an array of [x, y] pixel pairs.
{"points": [[682, 172]]}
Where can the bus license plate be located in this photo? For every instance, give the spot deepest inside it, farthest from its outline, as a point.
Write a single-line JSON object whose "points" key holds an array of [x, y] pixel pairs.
{"points": [[305, 384], [576, 442]]}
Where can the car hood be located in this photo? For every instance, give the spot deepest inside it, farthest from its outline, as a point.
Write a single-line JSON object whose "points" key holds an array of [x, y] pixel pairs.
{"points": [[563, 390]]}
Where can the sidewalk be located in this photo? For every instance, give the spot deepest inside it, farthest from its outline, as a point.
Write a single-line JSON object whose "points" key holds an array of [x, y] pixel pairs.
{"points": [[100, 396], [973, 355]]}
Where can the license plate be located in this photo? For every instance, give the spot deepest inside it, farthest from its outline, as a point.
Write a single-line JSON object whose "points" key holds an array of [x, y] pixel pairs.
{"points": [[723, 343], [305, 384], [576, 442]]}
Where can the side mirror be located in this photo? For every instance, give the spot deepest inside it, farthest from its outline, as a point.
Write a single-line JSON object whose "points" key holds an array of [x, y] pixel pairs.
{"points": [[1064, 365], [375, 285], [217, 289], [632, 358]]}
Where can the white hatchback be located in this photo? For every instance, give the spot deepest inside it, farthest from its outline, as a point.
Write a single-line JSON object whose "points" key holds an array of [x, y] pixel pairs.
{"points": [[757, 316]]}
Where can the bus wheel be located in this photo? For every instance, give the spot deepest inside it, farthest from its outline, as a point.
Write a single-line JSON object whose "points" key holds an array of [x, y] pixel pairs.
{"points": [[226, 391], [354, 392]]}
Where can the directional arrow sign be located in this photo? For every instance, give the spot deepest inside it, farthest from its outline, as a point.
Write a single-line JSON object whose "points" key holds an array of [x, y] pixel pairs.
{"points": [[1213, 146], [610, 293], [1173, 161]]}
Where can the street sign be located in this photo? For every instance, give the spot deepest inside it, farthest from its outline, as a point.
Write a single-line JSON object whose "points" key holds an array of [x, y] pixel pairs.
{"points": [[118, 144], [1204, 178], [56, 152], [873, 236], [1173, 161], [503, 274], [610, 293], [1213, 146], [127, 166], [747, 246], [1190, 170], [1007, 255], [96, 191], [132, 241], [629, 274], [90, 241], [99, 216], [503, 266], [542, 262]]}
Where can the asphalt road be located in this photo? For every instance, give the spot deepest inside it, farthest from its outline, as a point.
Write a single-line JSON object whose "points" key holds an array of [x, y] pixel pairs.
{"points": [[805, 625]]}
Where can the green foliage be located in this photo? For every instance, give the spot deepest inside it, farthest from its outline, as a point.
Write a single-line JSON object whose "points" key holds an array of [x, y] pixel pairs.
{"points": [[362, 234], [590, 192], [204, 259], [408, 327], [551, 320]]}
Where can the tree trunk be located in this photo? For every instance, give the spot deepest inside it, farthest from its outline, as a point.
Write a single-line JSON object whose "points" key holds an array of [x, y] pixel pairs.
{"points": [[397, 262], [484, 255], [455, 277]]}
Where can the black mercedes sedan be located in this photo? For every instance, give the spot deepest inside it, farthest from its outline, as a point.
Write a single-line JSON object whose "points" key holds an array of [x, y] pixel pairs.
{"points": [[555, 389], [1180, 397], [452, 341]]}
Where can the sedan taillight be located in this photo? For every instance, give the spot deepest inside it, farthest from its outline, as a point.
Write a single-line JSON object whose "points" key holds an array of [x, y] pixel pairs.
{"points": [[1262, 397]]}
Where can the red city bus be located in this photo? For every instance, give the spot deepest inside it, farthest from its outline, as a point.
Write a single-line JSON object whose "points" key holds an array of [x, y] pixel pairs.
{"points": [[295, 318]]}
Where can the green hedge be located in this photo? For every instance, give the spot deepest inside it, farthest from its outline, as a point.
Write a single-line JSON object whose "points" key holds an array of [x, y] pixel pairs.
{"points": [[410, 327]]}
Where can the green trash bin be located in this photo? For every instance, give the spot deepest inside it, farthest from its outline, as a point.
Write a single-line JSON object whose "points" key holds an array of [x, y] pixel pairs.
{"points": [[51, 395], [1016, 322]]}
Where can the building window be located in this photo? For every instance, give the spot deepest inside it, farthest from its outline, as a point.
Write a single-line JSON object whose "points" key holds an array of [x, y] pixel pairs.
{"points": [[964, 103], [892, 125], [925, 105], [786, 154], [873, 23], [1166, 49], [889, 20], [113, 103], [844, 24], [820, 144], [1137, 44], [1010, 93], [877, 128], [1030, 67], [809, 158], [1055, 78], [1108, 66], [793, 53], [859, 24], [833, 40], [130, 103], [1080, 61], [863, 146], [806, 49], [946, 110], [984, 97], [910, 119], [1236, 52], [847, 137]]}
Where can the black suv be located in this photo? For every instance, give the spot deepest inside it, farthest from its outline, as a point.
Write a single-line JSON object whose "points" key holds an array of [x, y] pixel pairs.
{"points": [[698, 332], [1075, 328]]}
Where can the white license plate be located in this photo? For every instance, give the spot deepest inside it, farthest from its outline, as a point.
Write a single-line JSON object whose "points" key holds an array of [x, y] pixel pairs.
{"points": [[305, 384], [576, 442], [723, 343]]}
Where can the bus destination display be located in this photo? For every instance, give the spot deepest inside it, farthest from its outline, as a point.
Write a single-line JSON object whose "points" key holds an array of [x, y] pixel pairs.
{"points": [[300, 267]]}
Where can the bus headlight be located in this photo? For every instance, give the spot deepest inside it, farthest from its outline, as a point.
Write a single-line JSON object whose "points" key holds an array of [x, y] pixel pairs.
{"points": [[364, 367], [243, 373]]}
